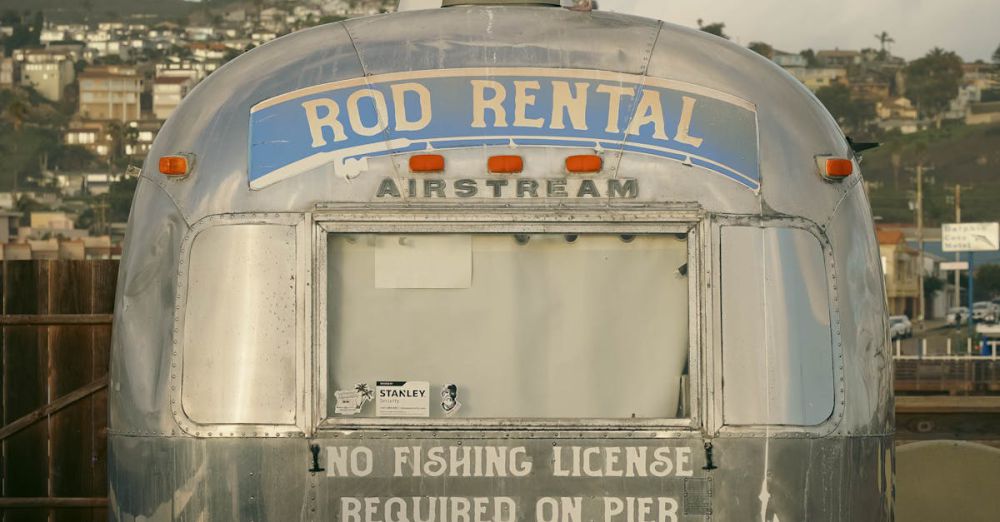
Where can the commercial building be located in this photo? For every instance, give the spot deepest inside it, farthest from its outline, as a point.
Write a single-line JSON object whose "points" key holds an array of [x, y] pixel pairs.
{"points": [[900, 264]]}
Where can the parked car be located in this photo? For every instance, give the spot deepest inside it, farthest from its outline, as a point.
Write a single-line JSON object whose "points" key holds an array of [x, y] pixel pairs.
{"points": [[984, 311], [900, 327], [957, 315]]}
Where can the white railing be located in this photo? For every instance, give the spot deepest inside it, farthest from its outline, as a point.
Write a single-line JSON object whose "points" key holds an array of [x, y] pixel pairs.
{"points": [[972, 352]]}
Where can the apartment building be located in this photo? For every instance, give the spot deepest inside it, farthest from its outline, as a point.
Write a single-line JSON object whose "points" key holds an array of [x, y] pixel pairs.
{"points": [[168, 91], [110, 93], [48, 72], [92, 135], [10, 72]]}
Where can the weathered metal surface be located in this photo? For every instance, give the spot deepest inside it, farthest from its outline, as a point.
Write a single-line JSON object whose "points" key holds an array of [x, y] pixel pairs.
{"points": [[165, 466]]}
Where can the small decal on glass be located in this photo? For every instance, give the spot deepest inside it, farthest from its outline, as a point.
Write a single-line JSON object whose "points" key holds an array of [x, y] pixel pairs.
{"points": [[351, 402], [402, 399], [449, 400]]}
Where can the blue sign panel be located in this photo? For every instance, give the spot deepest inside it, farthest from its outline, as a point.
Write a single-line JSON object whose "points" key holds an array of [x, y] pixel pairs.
{"points": [[344, 123]]}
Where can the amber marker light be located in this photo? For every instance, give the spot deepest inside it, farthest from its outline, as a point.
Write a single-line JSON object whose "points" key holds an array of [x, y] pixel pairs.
{"points": [[835, 169], [584, 164], [505, 164], [427, 163], [175, 166]]}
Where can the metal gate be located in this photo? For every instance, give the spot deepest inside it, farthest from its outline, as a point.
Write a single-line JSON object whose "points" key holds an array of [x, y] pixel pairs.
{"points": [[56, 322]]}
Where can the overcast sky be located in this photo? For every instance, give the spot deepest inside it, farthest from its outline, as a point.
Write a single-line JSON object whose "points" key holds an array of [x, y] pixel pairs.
{"points": [[969, 27]]}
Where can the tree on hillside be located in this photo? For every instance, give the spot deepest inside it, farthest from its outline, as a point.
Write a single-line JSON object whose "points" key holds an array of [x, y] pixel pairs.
{"points": [[15, 112], [932, 82], [810, 56], [762, 49], [996, 56], [852, 114], [716, 28], [883, 39], [987, 281]]}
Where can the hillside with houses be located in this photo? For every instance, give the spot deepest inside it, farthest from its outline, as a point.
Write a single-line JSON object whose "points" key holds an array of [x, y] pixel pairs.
{"points": [[85, 88]]}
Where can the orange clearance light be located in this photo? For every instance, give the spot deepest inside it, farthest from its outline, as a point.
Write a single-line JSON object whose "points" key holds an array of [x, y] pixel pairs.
{"points": [[584, 164], [834, 169], [175, 165], [505, 164], [427, 163]]}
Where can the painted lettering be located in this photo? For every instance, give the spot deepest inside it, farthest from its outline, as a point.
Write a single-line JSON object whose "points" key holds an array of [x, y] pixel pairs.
{"points": [[328, 120], [342, 461], [480, 104], [427, 509], [563, 102], [683, 134], [649, 112], [354, 112], [615, 94], [523, 100], [403, 123], [561, 509]]}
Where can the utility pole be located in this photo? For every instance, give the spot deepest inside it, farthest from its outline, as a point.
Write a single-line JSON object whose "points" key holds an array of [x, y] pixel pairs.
{"points": [[920, 245], [958, 256]]}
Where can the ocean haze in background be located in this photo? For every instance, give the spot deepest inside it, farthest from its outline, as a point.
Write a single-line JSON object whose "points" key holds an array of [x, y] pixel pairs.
{"points": [[968, 27]]}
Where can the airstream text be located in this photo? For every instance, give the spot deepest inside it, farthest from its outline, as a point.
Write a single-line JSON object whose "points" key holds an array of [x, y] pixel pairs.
{"points": [[502, 188]]}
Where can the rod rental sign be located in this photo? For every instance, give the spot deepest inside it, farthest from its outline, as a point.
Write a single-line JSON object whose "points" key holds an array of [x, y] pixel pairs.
{"points": [[345, 123]]}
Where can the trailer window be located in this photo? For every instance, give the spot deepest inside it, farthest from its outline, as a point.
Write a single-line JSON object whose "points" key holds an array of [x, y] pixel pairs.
{"points": [[239, 333], [507, 325], [777, 345]]}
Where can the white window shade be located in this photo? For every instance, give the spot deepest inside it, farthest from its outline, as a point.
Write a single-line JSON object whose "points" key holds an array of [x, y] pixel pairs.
{"points": [[548, 326], [777, 347], [239, 326]]}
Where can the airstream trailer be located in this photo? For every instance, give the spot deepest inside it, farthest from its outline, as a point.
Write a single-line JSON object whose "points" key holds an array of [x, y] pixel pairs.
{"points": [[495, 262]]}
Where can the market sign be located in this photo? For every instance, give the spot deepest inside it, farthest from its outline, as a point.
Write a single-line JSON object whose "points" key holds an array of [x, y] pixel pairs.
{"points": [[345, 123], [970, 237]]}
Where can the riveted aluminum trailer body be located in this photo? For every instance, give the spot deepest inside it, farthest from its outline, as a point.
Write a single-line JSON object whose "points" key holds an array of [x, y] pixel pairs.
{"points": [[231, 322]]}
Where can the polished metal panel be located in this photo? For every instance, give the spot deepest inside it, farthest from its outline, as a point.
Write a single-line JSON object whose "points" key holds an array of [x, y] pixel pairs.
{"points": [[165, 466], [251, 479], [144, 314], [239, 352], [777, 349], [863, 321]]}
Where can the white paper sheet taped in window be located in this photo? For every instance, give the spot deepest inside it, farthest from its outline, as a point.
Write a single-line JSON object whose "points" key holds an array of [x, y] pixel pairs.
{"points": [[423, 261]]}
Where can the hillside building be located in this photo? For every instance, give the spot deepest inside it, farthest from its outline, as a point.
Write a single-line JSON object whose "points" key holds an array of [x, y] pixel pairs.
{"points": [[168, 91], [110, 93], [816, 78], [48, 72], [900, 264], [10, 73]]}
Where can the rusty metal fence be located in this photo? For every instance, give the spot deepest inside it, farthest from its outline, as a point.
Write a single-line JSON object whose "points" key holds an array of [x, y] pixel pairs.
{"points": [[56, 335], [948, 374]]}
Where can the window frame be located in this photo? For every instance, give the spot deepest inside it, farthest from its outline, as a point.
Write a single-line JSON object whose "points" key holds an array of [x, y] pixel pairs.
{"points": [[714, 404], [508, 221], [302, 423]]}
